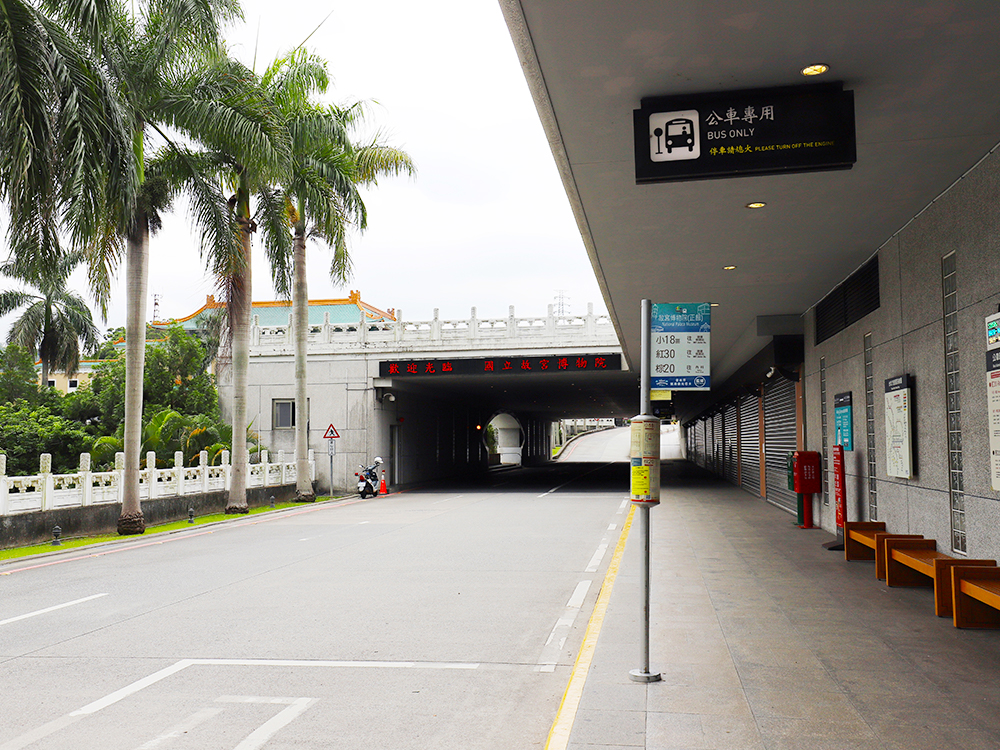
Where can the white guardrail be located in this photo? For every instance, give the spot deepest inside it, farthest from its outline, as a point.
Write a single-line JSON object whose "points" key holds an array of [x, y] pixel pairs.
{"points": [[461, 334], [46, 491]]}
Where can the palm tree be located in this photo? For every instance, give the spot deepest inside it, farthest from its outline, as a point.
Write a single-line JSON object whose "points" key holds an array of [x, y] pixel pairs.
{"points": [[247, 149], [322, 199], [144, 56], [67, 148], [55, 320]]}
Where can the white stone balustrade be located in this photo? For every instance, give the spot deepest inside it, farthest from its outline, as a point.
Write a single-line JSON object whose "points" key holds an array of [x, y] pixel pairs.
{"points": [[429, 335], [45, 490]]}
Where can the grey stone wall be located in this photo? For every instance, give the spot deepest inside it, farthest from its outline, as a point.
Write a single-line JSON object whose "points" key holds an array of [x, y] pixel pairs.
{"points": [[908, 338]]}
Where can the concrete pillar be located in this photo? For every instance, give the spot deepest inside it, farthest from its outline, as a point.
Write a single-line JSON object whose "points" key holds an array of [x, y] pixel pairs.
{"points": [[45, 469], [203, 468], [86, 489], [4, 496], [150, 474], [120, 474], [436, 326]]}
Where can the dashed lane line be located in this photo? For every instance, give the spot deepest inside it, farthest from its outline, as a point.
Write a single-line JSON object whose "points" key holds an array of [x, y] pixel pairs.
{"points": [[563, 725], [50, 609]]}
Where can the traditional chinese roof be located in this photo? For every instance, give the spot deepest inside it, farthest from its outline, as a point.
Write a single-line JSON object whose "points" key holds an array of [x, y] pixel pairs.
{"points": [[276, 312]]}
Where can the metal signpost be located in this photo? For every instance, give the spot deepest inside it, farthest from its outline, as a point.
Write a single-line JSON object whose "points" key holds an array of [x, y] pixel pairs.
{"points": [[675, 356], [645, 483], [330, 435]]}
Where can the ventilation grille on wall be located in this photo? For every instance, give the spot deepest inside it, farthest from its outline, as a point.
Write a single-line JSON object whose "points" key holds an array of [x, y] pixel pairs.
{"points": [[849, 302]]}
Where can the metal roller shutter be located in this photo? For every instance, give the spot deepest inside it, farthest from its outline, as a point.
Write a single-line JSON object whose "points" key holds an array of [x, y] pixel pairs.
{"points": [[780, 439], [702, 444], [729, 425], [717, 435], [750, 444]]}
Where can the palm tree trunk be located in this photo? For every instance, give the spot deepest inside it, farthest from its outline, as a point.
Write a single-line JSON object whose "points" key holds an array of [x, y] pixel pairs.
{"points": [[240, 302], [131, 520], [300, 309], [45, 373]]}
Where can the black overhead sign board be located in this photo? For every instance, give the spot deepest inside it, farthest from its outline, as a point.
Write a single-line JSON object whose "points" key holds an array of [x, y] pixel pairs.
{"points": [[506, 366], [743, 133]]}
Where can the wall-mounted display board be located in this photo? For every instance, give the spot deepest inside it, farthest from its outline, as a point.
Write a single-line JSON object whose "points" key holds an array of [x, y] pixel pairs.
{"points": [[898, 427], [843, 420], [993, 395]]}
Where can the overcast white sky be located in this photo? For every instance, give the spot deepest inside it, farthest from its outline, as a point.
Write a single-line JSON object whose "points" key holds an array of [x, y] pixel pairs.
{"points": [[485, 223]]}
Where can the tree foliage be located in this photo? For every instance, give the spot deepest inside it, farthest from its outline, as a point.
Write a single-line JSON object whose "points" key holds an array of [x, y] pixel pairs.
{"points": [[18, 377], [174, 378], [27, 431]]}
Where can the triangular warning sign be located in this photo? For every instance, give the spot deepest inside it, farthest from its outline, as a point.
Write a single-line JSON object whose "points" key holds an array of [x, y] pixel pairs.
{"points": [[331, 432]]}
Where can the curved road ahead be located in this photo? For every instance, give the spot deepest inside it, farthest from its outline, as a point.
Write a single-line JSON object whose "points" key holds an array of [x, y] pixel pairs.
{"points": [[613, 445]]}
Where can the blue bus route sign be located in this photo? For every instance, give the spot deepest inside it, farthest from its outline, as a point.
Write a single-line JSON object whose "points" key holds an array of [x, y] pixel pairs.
{"points": [[680, 354]]}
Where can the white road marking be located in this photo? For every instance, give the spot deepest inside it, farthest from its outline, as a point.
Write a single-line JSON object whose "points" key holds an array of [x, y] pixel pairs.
{"points": [[595, 561], [50, 609], [581, 476], [269, 728], [62, 722], [612, 527], [576, 601], [621, 508], [39, 733], [305, 539], [180, 729], [444, 500], [551, 653], [362, 523], [135, 687]]}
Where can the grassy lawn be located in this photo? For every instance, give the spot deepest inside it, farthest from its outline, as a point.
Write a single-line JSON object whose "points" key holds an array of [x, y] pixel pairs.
{"points": [[37, 549]]}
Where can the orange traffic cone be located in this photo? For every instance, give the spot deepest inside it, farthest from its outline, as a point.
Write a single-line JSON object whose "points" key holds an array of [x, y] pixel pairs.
{"points": [[382, 488]]}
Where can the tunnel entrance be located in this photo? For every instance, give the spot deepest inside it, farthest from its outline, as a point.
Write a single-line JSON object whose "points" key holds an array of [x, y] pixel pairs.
{"points": [[505, 438]]}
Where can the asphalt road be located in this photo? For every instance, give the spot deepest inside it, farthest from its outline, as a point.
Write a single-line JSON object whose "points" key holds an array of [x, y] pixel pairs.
{"points": [[444, 618]]}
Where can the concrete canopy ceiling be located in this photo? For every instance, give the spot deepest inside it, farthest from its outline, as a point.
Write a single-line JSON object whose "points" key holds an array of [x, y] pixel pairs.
{"points": [[926, 81]]}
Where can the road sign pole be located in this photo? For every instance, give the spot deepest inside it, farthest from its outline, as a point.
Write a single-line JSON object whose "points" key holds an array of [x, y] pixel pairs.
{"points": [[652, 494], [331, 448]]}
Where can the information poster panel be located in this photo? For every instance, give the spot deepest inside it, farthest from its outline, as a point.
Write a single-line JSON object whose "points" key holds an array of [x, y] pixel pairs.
{"points": [[993, 406], [843, 420], [679, 352], [839, 484], [898, 439], [993, 332]]}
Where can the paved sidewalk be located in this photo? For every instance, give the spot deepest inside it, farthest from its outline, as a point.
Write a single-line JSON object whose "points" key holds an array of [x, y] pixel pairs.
{"points": [[767, 641]]}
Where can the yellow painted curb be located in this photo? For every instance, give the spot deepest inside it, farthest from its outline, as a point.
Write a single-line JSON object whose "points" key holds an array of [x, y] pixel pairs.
{"points": [[563, 725]]}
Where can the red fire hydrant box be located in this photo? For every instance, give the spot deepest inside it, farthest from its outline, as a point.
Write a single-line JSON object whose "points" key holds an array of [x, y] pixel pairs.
{"points": [[806, 472]]}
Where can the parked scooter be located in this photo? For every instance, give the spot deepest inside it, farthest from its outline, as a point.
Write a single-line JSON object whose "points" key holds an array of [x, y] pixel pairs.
{"points": [[368, 479]]}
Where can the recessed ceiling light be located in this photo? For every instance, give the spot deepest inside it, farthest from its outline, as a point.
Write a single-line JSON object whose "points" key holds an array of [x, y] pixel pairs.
{"points": [[815, 70], [756, 204], [714, 304], [729, 268]]}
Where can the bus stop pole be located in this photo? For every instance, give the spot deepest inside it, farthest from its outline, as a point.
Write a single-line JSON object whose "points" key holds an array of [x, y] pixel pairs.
{"points": [[646, 407]]}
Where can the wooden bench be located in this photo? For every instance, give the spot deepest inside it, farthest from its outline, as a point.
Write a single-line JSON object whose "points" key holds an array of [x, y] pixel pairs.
{"points": [[865, 540], [975, 596], [917, 562]]}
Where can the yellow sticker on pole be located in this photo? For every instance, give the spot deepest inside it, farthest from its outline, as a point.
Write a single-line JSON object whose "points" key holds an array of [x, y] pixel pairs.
{"points": [[645, 460], [640, 480]]}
